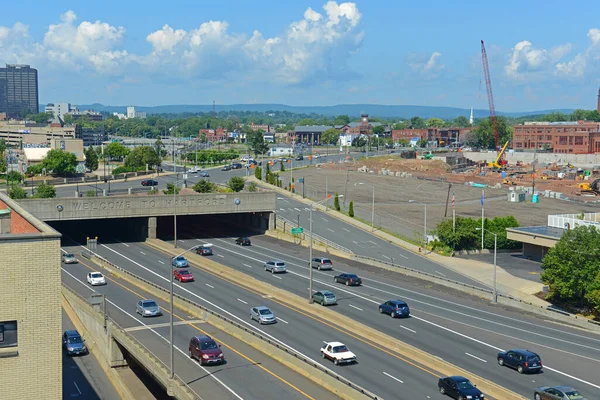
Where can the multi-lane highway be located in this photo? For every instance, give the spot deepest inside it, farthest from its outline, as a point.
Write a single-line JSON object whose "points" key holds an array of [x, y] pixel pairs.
{"points": [[459, 329], [247, 373]]}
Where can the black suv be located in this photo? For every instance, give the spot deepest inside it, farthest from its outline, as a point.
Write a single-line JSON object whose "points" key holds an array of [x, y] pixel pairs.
{"points": [[149, 182], [459, 387], [242, 241], [521, 360], [236, 166]]}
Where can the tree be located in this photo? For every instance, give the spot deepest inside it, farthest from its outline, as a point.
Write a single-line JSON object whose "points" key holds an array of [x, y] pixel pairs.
{"points": [[159, 148], [45, 191], [256, 143], [16, 192], [330, 136], [434, 123], [236, 183], [485, 135], [258, 173], [417, 123], [306, 122], [14, 176], [68, 119], [3, 164], [341, 120], [142, 156], [41, 118], [571, 269], [422, 143], [359, 141], [351, 209], [91, 159], [378, 130], [116, 151], [172, 189], [336, 202], [2, 146], [204, 186], [401, 125], [465, 237], [281, 166], [60, 162], [461, 121]]}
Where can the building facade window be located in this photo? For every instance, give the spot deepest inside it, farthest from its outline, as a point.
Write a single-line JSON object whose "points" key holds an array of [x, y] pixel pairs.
{"points": [[562, 140], [8, 334], [578, 140]]}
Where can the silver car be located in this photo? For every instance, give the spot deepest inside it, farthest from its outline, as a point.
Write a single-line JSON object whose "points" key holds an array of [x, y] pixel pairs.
{"points": [[263, 315], [322, 263], [275, 266], [148, 308], [69, 258], [324, 298]]}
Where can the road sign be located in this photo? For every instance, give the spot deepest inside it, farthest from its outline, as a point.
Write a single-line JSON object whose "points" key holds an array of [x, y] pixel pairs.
{"points": [[297, 231], [301, 180]]}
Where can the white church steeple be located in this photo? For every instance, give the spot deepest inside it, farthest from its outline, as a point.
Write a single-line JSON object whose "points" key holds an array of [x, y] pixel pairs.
{"points": [[471, 117]]}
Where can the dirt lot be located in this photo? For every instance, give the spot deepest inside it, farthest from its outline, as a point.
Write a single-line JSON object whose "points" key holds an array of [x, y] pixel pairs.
{"points": [[395, 212]]}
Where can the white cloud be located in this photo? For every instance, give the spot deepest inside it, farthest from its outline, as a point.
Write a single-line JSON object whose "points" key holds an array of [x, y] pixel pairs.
{"points": [[525, 59], [165, 39], [427, 66], [581, 64]]}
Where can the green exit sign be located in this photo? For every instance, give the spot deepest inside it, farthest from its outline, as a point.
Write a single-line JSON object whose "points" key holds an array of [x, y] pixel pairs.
{"points": [[297, 231]]}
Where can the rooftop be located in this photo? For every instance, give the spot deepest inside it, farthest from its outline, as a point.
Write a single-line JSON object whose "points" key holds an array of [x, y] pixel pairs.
{"points": [[549, 231]]}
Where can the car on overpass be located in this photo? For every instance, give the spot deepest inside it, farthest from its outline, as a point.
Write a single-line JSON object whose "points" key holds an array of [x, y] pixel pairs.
{"points": [[243, 241], [557, 393], [262, 315], [183, 275], [69, 258], [204, 349], [348, 279], [148, 308], [205, 250], [338, 353], [324, 297], [96, 279], [275, 266], [321, 263], [395, 308], [179, 262], [521, 360], [73, 343], [459, 387], [149, 182]]}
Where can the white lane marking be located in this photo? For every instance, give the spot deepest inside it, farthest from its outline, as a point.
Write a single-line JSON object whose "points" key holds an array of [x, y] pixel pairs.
{"points": [[242, 301], [290, 209], [246, 265], [438, 272], [402, 255], [163, 338], [359, 309], [162, 262], [181, 241], [324, 219], [124, 244], [347, 230], [142, 252], [330, 230], [389, 258], [75, 383], [210, 286], [200, 240], [282, 320], [282, 209], [220, 255], [275, 276], [408, 329], [393, 377], [297, 209], [370, 241], [475, 357], [355, 242]]}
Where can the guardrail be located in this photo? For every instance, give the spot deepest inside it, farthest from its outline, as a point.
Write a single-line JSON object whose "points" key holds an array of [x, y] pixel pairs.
{"points": [[268, 340], [288, 225], [85, 179]]}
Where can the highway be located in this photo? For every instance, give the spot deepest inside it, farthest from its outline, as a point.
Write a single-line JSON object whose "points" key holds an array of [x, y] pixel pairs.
{"points": [[465, 331], [247, 374]]}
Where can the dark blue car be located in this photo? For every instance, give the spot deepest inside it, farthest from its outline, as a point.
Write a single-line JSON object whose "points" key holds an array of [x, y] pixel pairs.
{"points": [[521, 360], [395, 308], [459, 387]]}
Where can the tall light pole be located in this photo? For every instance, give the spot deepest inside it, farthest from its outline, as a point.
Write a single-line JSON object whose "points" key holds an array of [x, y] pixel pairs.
{"points": [[177, 181], [495, 291], [171, 310], [310, 253], [424, 223], [372, 207]]}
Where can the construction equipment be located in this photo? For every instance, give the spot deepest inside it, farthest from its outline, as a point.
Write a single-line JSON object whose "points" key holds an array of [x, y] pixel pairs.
{"points": [[507, 181], [500, 163], [427, 156], [488, 85], [593, 187]]}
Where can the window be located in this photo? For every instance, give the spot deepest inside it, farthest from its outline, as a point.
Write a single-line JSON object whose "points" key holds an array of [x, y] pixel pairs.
{"points": [[540, 137], [548, 137], [578, 140], [8, 334], [562, 140]]}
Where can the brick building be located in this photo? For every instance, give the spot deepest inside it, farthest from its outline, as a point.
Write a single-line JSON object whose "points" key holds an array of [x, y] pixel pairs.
{"points": [[580, 137], [30, 315], [263, 128], [440, 136], [214, 135]]}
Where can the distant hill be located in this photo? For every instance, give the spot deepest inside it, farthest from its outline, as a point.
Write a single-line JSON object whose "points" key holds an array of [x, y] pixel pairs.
{"points": [[352, 110]]}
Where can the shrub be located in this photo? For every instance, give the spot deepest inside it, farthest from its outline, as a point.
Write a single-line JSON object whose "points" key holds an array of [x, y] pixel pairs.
{"points": [[171, 189], [90, 193], [45, 191], [336, 202], [124, 170], [351, 209], [252, 187], [258, 173], [204, 186], [14, 176], [236, 183], [17, 192]]}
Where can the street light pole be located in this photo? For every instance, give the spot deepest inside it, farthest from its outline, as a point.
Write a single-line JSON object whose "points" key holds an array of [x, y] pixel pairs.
{"points": [[495, 289]]}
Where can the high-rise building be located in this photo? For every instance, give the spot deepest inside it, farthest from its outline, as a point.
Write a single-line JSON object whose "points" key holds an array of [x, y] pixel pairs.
{"points": [[59, 109], [18, 90]]}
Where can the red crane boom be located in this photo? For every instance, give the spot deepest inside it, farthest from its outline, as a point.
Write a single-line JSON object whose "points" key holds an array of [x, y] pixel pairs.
{"points": [[488, 85]]}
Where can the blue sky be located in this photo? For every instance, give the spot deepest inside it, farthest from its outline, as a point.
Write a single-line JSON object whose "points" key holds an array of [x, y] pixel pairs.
{"points": [[542, 54]]}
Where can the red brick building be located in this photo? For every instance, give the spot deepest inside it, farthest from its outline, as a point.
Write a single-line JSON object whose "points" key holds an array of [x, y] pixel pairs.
{"points": [[263, 128], [442, 136], [213, 135], [579, 137]]}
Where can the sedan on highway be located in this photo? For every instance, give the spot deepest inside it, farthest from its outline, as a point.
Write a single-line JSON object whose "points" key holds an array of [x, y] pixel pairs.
{"points": [[73, 343], [557, 393], [395, 308], [348, 279], [459, 387], [226, 168], [324, 298], [69, 258], [183, 275], [96, 278], [204, 174], [149, 182], [243, 241], [179, 262], [521, 360], [338, 353], [204, 251], [148, 308], [262, 315], [275, 266]]}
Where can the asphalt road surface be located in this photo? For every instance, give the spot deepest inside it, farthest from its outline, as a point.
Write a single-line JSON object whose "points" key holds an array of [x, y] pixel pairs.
{"points": [[247, 373], [513, 263], [462, 330]]}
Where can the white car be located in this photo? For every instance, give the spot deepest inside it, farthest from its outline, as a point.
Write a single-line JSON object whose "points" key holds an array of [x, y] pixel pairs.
{"points": [[96, 278], [194, 170], [338, 353], [317, 156]]}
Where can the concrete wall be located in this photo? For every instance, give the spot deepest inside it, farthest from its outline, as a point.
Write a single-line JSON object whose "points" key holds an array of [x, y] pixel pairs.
{"points": [[534, 252], [58, 209], [583, 160]]}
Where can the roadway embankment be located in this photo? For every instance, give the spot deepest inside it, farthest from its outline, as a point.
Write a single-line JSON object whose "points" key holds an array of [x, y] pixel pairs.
{"points": [[404, 351]]}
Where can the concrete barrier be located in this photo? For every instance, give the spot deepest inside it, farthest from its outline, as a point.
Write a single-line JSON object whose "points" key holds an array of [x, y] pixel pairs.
{"points": [[106, 342], [373, 337], [296, 362]]}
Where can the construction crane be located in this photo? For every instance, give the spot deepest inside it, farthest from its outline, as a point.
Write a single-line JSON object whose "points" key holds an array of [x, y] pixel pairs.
{"points": [[488, 85]]}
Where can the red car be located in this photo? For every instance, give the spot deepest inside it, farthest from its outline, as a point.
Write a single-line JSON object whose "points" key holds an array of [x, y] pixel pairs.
{"points": [[183, 275]]}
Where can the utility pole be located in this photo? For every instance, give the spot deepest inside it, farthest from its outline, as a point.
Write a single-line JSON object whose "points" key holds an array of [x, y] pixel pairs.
{"points": [[448, 198]]}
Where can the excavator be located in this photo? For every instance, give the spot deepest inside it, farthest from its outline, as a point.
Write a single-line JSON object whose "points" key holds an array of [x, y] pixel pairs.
{"points": [[593, 187], [500, 163]]}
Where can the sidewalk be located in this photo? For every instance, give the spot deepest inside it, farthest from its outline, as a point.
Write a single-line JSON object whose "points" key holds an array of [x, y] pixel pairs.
{"points": [[480, 271]]}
